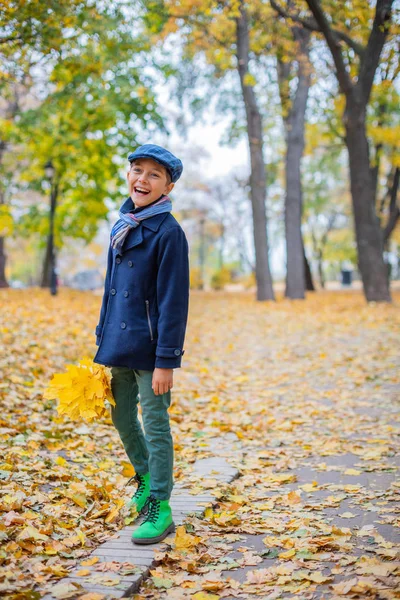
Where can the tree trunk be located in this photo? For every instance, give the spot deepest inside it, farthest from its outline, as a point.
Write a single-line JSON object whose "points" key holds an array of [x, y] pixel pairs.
{"points": [[321, 269], [394, 210], [49, 263], [367, 228], [258, 175], [309, 284], [295, 124], [357, 92], [3, 258]]}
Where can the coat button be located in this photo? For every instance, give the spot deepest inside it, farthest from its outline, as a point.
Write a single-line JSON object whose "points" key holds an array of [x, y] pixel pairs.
{"points": [[177, 352], [123, 325], [113, 292], [126, 294], [130, 263], [118, 260]]}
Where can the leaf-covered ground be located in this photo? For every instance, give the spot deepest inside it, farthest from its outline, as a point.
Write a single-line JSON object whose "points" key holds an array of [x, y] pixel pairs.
{"points": [[309, 394]]}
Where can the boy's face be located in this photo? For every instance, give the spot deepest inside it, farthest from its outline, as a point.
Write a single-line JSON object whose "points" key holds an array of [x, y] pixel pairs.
{"points": [[147, 181]]}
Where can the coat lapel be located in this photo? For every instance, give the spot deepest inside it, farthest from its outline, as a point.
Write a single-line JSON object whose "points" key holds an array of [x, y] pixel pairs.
{"points": [[134, 238]]}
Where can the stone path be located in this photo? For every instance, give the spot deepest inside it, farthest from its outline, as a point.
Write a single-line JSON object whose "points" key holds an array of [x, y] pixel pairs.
{"points": [[141, 559]]}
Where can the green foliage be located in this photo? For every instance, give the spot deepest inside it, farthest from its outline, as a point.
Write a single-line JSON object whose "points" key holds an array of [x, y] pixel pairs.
{"points": [[340, 247], [96, 104]]}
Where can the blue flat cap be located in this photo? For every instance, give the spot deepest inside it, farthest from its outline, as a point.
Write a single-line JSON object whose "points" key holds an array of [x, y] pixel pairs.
{"points": [[173, 165]]}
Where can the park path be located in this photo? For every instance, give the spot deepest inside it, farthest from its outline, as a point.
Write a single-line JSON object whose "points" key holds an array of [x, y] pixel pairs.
{"points": [[312, 390], [307, 393], [119, 555]]}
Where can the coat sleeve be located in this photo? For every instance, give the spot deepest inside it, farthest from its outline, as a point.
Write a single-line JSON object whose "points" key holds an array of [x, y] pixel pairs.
{"points": [[106, 294], [172, 297]]}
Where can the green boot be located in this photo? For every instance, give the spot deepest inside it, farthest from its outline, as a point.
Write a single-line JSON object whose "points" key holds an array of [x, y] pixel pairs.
{"points": [[157, 525], [139, 498]]}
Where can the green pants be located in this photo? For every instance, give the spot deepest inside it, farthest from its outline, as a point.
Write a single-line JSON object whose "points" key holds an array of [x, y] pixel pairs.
{"points": [[153, 450]]}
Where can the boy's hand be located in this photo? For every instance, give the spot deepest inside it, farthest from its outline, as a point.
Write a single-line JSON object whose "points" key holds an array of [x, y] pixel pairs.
{"points": [[162, 380]]}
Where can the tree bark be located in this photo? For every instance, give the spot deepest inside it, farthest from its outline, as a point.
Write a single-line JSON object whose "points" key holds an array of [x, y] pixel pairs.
{"points": [[258, 175], [50, 256], [3, 258], [367, 227], [394, 210], [309, 284], [46, 271], [294, 129]]}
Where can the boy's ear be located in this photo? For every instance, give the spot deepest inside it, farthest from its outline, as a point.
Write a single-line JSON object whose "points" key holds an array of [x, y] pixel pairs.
{"points": [[169, 188]]}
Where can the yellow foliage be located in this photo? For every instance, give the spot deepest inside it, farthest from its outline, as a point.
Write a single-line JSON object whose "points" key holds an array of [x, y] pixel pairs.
{"points": [[196, 281], [220, 278], [386, 135], [81, 391], [185, 540], [249, 80], [6, 221]]}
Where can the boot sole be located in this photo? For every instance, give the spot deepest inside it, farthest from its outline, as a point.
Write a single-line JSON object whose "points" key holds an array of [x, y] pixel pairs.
{"points": [[154, 540]]}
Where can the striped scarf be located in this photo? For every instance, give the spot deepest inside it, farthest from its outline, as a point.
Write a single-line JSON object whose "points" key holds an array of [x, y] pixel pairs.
{"points": [[128, 221]]}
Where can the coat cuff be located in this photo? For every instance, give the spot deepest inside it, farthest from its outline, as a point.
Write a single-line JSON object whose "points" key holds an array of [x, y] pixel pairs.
{"points": [[168, 357], [98, 335]]}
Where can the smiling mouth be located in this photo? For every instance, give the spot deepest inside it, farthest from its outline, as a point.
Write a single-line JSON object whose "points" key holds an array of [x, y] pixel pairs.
{"points": [[141, 191]]}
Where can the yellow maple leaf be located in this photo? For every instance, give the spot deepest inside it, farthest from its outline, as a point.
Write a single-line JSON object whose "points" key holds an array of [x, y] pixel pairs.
{"points": [[185, 540], [82, 391]]}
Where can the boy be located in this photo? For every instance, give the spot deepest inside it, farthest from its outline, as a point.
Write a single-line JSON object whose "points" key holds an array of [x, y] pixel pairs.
{"points": [[142, 329]]}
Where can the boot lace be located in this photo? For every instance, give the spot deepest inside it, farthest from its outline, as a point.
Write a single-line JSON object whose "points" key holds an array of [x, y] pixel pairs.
{"points": [[140, 484], [153, 505]]}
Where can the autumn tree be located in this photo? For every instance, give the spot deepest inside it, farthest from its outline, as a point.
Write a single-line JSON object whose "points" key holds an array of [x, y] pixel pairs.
{"points": [[294, 80], [32, 35], [223, 34], [242, 37], [356, 37], [91, 109]]}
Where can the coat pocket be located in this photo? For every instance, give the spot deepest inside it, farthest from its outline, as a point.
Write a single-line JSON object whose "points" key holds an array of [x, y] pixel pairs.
{"points": [[149, 320]]}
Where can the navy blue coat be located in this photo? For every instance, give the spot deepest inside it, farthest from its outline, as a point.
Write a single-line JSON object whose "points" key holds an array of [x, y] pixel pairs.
{"points": [[146, 295]]}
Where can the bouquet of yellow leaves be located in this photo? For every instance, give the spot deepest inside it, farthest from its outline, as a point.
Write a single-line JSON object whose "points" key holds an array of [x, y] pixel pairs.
{"points": [[82, 392]]}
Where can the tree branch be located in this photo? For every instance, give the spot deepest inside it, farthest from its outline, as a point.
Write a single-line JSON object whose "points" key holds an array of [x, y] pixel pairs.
{"points": [[333, 44], [370, 60], [18, 38], [312, 25]]}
